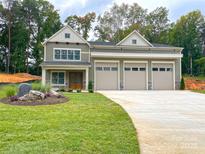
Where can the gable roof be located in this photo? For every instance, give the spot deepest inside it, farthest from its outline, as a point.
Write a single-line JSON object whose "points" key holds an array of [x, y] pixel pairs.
{"points": [[101, 43], [58, 32], [134, 32]]}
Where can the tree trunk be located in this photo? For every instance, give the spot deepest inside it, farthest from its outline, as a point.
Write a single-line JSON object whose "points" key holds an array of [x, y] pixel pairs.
{"points": [[191, 73], [9, 44]]}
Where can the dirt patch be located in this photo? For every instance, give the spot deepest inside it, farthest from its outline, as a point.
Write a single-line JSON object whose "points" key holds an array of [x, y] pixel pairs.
{"points": [[48, 101], [194, 84]]}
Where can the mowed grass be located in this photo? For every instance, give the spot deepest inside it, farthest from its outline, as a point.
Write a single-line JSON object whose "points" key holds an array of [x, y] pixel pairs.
{"points": [[88, 123], [199, 91]]}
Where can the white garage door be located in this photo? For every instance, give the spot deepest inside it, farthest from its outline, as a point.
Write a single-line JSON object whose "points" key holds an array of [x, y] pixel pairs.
{"points": [[135, 76], [163, 76], [106, 76]]}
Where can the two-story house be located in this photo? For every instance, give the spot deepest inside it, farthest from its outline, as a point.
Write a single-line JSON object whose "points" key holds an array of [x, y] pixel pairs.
{"points": [[132, 64]]}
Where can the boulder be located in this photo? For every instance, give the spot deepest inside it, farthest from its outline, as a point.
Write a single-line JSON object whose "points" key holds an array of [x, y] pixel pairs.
{"points": [[54, 93], [24, 89], [37, 94]]}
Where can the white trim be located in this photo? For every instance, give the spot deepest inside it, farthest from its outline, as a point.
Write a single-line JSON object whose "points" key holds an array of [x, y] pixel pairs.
{"points": [[106, 61], [133, 55], [43, 76], [67, 26], [86, 78], [180, 69], [51, 77], [136, 62], [138, 35], [66, 67], [54, 59], [163, 62]]}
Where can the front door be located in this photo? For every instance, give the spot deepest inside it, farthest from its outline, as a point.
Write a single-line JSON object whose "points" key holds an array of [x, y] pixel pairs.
{"points": [[76, 80]]}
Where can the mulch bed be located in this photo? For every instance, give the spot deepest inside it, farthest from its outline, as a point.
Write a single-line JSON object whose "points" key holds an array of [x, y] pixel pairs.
{"points": [[48, 101]]}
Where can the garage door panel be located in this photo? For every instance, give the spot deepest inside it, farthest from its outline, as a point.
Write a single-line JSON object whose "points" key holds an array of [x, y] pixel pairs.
{"points": [[106, 76], [135, 76], [163, 76]]}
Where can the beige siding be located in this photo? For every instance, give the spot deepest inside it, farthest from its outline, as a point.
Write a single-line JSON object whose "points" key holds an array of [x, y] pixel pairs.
{"points": [[61, 37], [140, 41]]}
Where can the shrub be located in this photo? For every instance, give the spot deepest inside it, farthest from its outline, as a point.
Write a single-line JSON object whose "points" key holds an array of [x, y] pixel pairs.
{"points": [[90, 87], [182, 84], [39, 87], [10, 90], [36, 86], [62, 89], [78, 90]]}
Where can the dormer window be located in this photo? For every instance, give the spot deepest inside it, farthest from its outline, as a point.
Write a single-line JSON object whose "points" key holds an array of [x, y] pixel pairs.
{"points": [[134, 41], [67, 35]]}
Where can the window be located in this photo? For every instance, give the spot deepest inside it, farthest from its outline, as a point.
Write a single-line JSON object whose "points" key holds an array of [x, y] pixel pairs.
{"points": [[142, 69], [58, 78], [106, 68], [135, 69], [134, 41], [169, 69], [67, 54], [57, 54], [67, 35], [127, 68], [162, 69], [114, 69], [154, 69], [99, 68], [64, 54]]}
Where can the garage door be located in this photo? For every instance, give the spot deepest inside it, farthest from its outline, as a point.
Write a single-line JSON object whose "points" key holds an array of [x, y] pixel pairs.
{"points": [[106, 77], [135, 76], [163, 76]]}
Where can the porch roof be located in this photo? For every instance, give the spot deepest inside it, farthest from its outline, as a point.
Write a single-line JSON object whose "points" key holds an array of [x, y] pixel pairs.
{"points": [[65, 64]]}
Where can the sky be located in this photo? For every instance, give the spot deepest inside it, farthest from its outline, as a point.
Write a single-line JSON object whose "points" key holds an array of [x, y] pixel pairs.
{"points": [[176, 8]]}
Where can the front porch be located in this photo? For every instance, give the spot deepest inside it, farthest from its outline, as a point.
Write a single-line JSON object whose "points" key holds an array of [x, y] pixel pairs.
{"points": [[70, 78]]}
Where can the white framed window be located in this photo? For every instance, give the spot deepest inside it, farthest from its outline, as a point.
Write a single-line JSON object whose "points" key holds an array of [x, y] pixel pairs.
{"points": [[127, 69], [67, 35], [67, 54], [155, 69], [58, 78], [162, 69], [169, 69], [106, 68], [99, 68], [142, 69], [134, 41], [114, 69], [135, 69]]}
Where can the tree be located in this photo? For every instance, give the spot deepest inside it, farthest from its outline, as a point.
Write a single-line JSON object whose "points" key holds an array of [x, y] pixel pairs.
{"points": [[187, 33], [82, 24], [157, 25]]}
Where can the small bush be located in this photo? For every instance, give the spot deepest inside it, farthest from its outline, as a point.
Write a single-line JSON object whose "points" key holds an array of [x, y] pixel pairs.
{"points": [[90, 87], [182, 84], [39, 87], [78, 90], [36, 86], [10, 91]]}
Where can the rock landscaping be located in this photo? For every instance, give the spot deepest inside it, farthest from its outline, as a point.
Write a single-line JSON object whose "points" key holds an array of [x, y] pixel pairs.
{"points": [[28, 97]]}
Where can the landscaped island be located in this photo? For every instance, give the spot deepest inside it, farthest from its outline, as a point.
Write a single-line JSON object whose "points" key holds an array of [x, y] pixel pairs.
{"points": [[88, 123]]}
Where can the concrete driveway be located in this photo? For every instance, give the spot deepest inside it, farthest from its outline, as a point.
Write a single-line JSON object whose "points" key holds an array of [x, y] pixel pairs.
{"points": [[167, 122]]}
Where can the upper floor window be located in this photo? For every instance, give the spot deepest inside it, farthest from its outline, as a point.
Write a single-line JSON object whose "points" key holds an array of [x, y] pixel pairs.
{"points": [[67, 54], [134, 41], [67, 35]]}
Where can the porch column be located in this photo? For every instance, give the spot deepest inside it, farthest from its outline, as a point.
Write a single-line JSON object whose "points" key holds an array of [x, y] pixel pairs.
{"points": [[87, 78], [43, 76]]}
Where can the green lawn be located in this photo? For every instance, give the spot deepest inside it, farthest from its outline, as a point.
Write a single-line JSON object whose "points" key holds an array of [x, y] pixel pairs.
{"points": [[88, 123], [199, 91]]}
